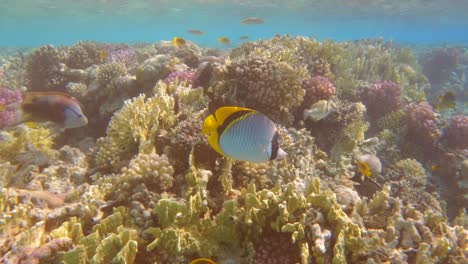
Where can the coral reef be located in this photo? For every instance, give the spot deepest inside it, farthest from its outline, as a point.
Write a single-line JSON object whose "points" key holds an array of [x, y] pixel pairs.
{"points": [[456, 133], [147, 188]]}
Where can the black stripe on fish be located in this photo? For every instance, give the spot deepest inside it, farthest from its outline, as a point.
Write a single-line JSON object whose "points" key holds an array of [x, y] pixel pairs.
{"points": [[274, 146], [231, 118]]}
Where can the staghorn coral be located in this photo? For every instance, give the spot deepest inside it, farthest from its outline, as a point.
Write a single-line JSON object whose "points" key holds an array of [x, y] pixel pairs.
{"points": [[120, 54], [456, 133], [381, 98], [263, 84], [43, 71]]}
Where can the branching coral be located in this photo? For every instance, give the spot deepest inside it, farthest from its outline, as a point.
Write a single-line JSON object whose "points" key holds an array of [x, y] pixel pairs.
{"points": [[134, 127]]}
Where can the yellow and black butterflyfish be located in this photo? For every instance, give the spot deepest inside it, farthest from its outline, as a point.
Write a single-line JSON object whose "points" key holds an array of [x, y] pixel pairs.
{"points": [[243, 134]]}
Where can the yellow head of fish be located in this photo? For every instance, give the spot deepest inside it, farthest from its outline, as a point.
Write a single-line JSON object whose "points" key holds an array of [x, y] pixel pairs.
{"points": [[224, 40], [178, 41], [243, 134], [363, 168], [368, 165]]}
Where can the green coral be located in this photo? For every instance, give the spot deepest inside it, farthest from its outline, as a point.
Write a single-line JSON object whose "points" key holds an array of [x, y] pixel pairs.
{"points": [[109, 242]]}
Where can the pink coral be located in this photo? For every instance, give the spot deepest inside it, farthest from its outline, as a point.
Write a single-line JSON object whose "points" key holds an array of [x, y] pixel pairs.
{"points": [[8, 96], [183, 75], [382, 97], [126, 55], [456, 133], [317, 88], [422, 124]]}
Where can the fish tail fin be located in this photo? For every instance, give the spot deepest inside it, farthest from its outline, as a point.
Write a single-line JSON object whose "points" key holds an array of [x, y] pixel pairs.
{"points": [[281, 154]]}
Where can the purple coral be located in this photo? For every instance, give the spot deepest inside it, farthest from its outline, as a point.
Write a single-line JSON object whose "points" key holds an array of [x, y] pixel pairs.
{"points": [[456, 133], [422, 124], [382, 97], [317, 88], [182, 75], [8, 96], [115, 54]]}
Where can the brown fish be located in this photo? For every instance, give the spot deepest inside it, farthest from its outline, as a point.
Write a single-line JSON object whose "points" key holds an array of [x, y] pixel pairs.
{"points": [[57, 107]]}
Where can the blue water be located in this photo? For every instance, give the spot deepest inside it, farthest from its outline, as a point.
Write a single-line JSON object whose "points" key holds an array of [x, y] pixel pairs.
{"points": [[33, 23]]}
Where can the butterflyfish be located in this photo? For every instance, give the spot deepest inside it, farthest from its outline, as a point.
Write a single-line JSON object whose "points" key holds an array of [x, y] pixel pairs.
{"points": [[178, 41], [368, 165], [224, 40], [202, 261], [252, 21], [319, 110], [243, 134], [57, 107]]}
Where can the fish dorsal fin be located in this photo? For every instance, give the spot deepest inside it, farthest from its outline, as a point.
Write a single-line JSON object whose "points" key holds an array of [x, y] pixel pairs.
{"points": [[224, 112]]}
